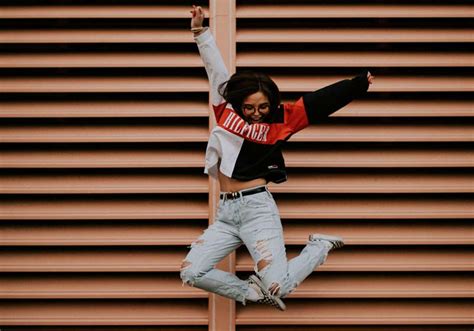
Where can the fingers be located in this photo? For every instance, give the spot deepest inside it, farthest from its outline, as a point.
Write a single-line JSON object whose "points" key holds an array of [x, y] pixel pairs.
{"points": [[193, 11], [197, 10], [370, 78]]}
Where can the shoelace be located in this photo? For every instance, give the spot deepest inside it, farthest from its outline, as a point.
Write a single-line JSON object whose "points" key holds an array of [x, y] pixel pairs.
{"points": [[266, 298]]}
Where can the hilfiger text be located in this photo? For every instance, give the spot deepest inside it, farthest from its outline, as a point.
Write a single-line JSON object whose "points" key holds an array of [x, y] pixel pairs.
{"points": [[237, 125]]}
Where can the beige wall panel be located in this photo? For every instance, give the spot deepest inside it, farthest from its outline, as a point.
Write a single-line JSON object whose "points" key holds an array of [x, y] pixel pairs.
{"points": [[106, 233], [343, 35], [96, 285], [369, 181], [191, 132], [395, 258], [105, 118], [104, 312], [355, 328], [105, 108], [101, 60], [143, 108], [97, 35], [159, 10], [104, 182], [371, 59], [167, 285], [89, 157], [378, 232], [94, 84], [349, 10], [98, 208], [363, 311], [198, 132], [405, 108], [176, 182]]}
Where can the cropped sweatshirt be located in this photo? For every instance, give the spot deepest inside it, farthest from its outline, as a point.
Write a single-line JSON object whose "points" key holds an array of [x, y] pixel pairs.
{"points": [[244, 151]]}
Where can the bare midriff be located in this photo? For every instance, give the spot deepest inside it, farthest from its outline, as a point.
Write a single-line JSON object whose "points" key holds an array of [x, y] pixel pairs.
{"points": [[232, 185]]}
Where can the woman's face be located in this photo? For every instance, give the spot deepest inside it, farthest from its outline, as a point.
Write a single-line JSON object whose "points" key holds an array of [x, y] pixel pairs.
{"points": [[256, 107]]}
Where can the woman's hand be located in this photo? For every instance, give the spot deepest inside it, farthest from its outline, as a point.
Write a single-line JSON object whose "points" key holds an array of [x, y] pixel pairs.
{"points": [[198, 17], [370, 78]]}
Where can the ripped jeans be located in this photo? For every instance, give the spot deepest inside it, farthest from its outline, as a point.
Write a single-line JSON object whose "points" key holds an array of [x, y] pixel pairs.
{"points": [[252, 220]]}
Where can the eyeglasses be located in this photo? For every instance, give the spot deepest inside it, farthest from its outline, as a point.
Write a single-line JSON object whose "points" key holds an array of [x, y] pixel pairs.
{"points": [[249, 109]]}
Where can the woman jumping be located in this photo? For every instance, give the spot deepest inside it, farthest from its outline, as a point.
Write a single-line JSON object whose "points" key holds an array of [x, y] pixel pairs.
{"points": [[244, 154]]}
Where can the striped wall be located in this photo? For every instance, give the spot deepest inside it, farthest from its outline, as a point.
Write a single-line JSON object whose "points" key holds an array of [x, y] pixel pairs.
{"points": [[104, 123]]}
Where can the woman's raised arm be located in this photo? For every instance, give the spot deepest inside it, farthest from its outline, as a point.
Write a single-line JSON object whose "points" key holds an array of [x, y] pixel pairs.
{"points": [[325, 101], [215, 68]]}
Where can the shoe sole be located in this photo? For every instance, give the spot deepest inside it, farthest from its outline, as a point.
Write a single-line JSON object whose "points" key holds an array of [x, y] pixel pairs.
{"points": [[256, 280]]}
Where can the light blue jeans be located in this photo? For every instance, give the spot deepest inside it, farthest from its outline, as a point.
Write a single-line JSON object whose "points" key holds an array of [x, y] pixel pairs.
{"points": [[252, 220]]}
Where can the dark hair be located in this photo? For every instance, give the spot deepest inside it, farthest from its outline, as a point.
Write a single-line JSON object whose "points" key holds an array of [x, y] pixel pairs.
{"points": [[242, 84]]}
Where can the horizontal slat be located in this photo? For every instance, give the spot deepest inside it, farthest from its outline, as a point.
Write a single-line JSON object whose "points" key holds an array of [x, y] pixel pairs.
{"points": [[371, 59], [367, 182], [100, 286], [104, 84], [100, 60], [107, 133], [172, 312], [305, 207], [352, 11], [168, 259], [189, 183], [104, 312], [374, 208], [318, 285], [384, 132], [101, 234], [360, 311], [372, 285], [143, 108], [244, 11], [77, 36], [368, 258], [244, 59], [96, 11], [385, 83], [100, 208], [410, 232], [91, 259], [406, 108], [347, 35], [196, 84], [346, 327], [199, 133], [384, 157], [185, 157], [112, 108], [103, 183]]}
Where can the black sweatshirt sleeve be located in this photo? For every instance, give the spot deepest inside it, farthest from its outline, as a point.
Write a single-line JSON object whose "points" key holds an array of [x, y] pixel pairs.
{"points": [[325, 101]]}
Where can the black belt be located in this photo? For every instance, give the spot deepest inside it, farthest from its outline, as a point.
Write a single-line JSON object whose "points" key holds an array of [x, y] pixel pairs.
{"points": [[235, 195]]}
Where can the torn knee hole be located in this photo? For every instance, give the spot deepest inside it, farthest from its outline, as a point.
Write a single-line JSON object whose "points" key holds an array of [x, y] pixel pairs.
{"points": [[262, 248], [262, 264], [186, 264], [274, 288]]}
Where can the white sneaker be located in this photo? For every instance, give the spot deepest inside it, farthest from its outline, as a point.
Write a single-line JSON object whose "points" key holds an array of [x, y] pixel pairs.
{"points": [[267, 297], [334, 241]]}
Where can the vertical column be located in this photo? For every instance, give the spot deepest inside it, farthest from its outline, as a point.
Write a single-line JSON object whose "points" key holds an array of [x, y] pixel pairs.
{"points": [[222, 25]]}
